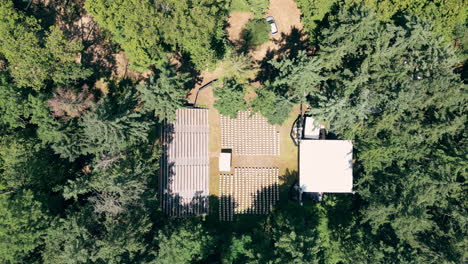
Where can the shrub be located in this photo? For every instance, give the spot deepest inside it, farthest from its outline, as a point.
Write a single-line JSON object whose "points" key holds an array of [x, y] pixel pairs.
{"points": [[256, 32], [230, 99]]}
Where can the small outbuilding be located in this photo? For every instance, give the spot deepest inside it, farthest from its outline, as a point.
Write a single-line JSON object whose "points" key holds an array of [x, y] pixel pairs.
{"points": [[225, 160], [311, 128], [325, 166]]}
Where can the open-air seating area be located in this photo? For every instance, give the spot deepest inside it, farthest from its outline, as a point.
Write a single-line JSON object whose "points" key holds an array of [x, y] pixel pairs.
{"points": [[249, 134], [249, 190]]}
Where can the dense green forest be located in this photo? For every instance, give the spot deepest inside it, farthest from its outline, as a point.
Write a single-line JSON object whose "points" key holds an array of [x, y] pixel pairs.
{"points": [[78, 164]]}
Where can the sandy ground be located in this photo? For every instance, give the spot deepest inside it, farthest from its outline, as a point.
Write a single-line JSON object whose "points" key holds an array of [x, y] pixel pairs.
{"points": [[101, 52], [287, 16], [206, 77], [123, 70], [237, 21]]}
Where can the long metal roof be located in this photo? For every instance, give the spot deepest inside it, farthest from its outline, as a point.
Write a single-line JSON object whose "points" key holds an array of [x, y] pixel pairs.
{"points": [[186, 164]]}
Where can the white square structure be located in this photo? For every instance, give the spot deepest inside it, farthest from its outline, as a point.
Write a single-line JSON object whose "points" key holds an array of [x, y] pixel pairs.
{"points": [[325, 166], [311, 128], [225, 162]]}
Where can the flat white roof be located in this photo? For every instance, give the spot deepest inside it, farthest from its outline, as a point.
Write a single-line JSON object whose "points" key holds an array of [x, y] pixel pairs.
{"points": [[225, 162], [326, 166], [311, 128]]}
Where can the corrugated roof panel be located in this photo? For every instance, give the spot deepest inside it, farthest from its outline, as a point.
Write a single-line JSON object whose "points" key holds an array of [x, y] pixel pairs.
{"points": [[185, 168]]}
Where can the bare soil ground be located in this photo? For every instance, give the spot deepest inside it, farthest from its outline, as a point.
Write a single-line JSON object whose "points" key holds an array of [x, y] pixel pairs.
{"points": [[237, 21], [205, 77], [98, 51], [123, 70], [287, 16]]}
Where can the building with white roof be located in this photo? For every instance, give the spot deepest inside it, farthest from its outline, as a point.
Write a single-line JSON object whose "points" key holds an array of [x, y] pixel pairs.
{"points": [[225, 161], [325, 166], [185, 164]]}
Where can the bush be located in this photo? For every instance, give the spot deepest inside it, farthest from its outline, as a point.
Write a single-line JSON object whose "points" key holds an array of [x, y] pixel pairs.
{"points": [[256, 32]]}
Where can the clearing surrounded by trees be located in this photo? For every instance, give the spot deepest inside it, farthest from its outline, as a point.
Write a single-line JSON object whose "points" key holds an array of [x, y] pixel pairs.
{"points": [[188, 131]]}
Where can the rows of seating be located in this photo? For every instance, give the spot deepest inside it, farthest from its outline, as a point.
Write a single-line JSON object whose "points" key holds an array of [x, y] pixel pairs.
{"points": [[249, 134], [249, 190]]}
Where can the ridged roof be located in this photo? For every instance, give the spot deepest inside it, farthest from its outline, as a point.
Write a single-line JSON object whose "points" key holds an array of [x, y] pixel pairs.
{"points": [[186, 164]]}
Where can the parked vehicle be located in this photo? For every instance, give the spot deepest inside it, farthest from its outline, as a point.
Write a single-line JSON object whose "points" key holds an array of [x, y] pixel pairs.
{"points": [[273, 27]]}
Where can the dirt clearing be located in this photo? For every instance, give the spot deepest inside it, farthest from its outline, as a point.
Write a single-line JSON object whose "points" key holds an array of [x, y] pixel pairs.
{"points": [[237, 21], [287, 16]]}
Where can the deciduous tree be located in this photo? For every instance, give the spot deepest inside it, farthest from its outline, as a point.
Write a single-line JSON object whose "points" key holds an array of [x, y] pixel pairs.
{"points": [[183, 244], [230, 99]]}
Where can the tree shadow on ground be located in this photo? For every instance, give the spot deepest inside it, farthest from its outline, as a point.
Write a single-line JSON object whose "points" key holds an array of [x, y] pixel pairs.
{"points": [[38, 9], [288, 46], [184, 65]]}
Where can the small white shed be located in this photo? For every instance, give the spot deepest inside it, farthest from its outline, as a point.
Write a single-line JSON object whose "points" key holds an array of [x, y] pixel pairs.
{"points": [[311, 128], [225, 161]]}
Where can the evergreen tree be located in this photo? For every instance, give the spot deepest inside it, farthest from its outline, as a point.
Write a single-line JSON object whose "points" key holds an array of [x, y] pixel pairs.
{"points": [[34, 60], [14, 108], [163, 93], [297, 77], [186, 243], [103, 134], [29, 63], [386, 87], [146, 30], [256, 32], [239, 68], [239, 251], [22, 224], [85, 237], [274, 107]]}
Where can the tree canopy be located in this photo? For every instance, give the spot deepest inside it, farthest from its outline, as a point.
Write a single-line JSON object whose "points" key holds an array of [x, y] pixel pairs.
{"points": [[146, 31], [230, 98], [33, 59]]}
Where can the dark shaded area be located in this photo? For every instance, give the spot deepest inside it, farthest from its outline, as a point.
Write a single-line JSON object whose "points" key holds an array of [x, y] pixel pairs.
{"points": [[292, 44], [69, 16], [185, 65], [289, 46]]}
